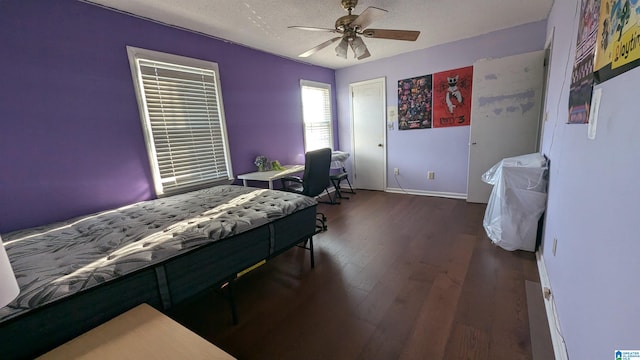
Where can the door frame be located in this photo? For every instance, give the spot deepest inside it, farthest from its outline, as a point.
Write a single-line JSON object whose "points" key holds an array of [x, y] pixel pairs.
{"points": [[548, 49], [382, 81]]}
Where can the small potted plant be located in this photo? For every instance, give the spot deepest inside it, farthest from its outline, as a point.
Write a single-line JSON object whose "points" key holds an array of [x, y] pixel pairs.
{"points": [[261, 162]]}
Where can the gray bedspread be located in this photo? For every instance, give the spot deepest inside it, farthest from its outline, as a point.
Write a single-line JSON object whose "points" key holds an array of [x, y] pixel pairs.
{"points": [[60, 259]]}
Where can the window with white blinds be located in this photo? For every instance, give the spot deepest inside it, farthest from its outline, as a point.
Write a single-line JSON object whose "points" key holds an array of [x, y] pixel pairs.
{"points": [[183, 118], [316, 115]]}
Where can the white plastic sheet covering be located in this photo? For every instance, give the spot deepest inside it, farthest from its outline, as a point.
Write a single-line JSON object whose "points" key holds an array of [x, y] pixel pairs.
{"points": [[517, 201], [338, 158]]}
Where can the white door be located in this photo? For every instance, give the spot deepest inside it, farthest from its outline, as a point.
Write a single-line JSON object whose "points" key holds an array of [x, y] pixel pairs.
{"points": [[505, 112], [368, 117]]}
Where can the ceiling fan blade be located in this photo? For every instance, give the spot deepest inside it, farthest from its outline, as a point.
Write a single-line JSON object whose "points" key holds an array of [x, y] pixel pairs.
{"points": [[407, 35], [319, 47], [368, 16], [310, 28], [365, 55]]}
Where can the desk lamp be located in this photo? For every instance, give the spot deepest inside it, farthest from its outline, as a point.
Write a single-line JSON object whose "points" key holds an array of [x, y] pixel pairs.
{"points": [[8, 285]]}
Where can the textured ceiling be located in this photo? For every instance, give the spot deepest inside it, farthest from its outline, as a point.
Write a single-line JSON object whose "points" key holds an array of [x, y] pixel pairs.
{"points": [[262, 24]]}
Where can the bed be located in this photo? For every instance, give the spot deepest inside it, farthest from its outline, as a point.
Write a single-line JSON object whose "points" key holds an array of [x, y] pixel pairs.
{"points": [[76, 274]]}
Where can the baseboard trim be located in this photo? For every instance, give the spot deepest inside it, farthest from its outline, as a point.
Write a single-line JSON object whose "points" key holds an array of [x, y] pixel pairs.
{"points": [[428, 193], [559, 347]]}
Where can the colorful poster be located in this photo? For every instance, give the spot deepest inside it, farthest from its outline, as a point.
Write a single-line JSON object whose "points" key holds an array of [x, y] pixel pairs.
{"points": [[618, 40], [582, 78], [452, 97], [414, 103]]}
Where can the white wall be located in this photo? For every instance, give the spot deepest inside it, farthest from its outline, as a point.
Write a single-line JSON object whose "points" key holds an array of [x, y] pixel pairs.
{"points": [[593, 206]]}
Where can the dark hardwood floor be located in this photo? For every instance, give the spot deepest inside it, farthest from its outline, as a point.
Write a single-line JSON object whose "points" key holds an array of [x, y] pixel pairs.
{"points": [[397, 277]]}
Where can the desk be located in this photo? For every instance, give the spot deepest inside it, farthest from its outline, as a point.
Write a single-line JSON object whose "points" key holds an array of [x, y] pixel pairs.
{"points": [[272, 175], [140, 333]]}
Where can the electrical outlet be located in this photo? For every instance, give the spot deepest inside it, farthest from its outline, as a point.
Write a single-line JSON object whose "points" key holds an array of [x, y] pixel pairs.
{"points": [[431, 175], [555, 245], [396, 171]]}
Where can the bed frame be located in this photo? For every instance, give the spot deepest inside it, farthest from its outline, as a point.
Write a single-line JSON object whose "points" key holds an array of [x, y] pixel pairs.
{"points": [[161, 285]]}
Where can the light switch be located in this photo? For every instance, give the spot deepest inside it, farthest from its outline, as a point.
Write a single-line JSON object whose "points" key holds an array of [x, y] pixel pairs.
{"points": [[593, 114]]}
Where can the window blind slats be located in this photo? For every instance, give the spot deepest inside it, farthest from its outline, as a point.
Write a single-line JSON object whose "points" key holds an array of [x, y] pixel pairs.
{"points": [[316, 105], [185, 142], [196, 85], [189, 169], [178, 91], [149, 75], [190, 173], [166, 99], [180, 151], [191, 109], [173, 119], [164, 139], [175, 158], [185, 159], [181, 148], [199, 124], [185, 123]]}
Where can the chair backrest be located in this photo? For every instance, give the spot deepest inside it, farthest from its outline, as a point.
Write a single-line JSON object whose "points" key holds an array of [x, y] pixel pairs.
{"points": [[317, 166]]}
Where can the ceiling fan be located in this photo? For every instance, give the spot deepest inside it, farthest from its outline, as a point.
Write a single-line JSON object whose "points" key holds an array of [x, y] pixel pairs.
{"points": [[352, 27]]}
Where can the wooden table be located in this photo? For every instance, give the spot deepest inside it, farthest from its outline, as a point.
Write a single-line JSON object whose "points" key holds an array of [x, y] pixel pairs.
{"points": [[140, 333], [270, 176]]}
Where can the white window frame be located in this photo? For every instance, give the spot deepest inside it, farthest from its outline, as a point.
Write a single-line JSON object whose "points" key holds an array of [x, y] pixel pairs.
{"points": [[226, 175], [328, 115]]}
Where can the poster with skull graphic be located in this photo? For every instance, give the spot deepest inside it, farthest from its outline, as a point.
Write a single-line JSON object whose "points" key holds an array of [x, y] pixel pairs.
{"points": [[452, 97]]}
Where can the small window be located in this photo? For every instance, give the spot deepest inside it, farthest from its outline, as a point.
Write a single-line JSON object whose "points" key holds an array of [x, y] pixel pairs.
{"points": [[183, 119], [316, 114]]}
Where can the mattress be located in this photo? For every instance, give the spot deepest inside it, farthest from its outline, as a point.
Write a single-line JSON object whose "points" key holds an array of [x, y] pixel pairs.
{"points": [[57, 260]]}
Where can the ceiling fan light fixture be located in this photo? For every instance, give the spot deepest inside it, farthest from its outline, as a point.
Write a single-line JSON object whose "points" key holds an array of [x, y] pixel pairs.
{"points": [[358, 47], [341, 49]]}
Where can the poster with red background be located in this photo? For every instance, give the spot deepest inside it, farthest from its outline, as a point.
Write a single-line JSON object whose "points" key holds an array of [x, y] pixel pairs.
{"points": [[452, 97]]}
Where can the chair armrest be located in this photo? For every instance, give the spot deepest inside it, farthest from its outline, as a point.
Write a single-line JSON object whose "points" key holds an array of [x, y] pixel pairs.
{"points": [[291, 184], [295, 179]]}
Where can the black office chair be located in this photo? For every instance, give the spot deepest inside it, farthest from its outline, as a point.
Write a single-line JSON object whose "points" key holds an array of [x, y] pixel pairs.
{"points": [[315, 179]]}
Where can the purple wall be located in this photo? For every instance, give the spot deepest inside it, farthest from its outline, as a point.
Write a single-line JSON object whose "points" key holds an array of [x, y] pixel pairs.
{"points": [[71, 141], [444, 150], [593, 206]]}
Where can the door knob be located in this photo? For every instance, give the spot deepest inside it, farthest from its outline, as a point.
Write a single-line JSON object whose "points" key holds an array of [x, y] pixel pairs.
{"points": [[379, 145], [473, 143]]}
